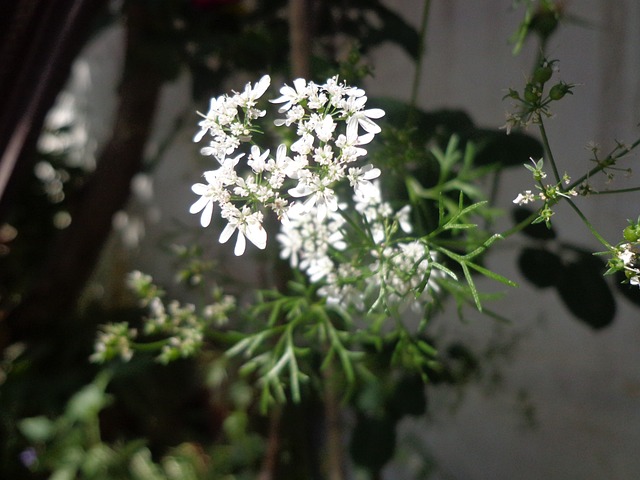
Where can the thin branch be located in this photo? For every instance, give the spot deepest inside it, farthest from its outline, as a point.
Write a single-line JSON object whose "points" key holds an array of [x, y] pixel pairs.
{"points": [[270, 460], [300, 38]]}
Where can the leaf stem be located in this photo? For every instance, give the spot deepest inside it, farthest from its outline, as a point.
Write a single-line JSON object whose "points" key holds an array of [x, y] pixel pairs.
{"points": [[602, 164], [520, 226], [549, 154], [619, 190], [591, 228]]}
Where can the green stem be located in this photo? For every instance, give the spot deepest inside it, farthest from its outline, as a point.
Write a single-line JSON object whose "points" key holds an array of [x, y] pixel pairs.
{"points": [[149, 346], [520, 226], [589, 226], [602, 164], [548, 153], [619, 190]]}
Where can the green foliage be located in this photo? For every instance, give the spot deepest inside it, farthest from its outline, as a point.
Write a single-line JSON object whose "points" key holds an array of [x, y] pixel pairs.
{"points": [[71, 446]]}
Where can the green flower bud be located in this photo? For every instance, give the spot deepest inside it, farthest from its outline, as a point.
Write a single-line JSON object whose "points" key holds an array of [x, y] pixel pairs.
{"points": [[531, 93], [630, 234], [559, 90], [542, 74]]}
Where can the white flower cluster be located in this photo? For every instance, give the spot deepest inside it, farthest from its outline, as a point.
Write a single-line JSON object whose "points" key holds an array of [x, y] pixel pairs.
{"points": [[305, 185], [327, 120], [548, 193], [114, 339], [398, 274], [629, 254], [524, 198]]}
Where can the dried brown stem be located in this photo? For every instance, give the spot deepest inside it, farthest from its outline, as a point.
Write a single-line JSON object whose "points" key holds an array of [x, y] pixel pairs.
{"points": [[300, 38]]}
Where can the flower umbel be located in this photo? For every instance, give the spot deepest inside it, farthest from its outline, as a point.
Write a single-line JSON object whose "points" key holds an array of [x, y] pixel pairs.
{"points": [[327, 120]]}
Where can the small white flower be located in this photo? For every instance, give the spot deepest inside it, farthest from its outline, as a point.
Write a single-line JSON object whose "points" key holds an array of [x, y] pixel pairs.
{"points": [[318, 195], [316, 98], [360, 178], [349, 145], [304, 144], [626, 254], [404, 219], [204, 203], [257, 160], [221, 146], [214, 191], [324, 128], [523, 199], [211, 118], [291, 96], [363, 118], [323, 156], [248, 224], [290, 245], [251, 94]]}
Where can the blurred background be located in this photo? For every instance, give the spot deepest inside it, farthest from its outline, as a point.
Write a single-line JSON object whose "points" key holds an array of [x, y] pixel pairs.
{"points": [[97, 116]]}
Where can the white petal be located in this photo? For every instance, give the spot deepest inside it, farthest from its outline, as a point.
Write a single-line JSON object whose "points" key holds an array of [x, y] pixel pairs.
{"points": [[198, 136], [226, 233], [359, 102], [300, 191], [241, 244], [207, 213], [321, 210], [281, 152], [199, 188], [352, 130], [374, 113], [198, 205], [371, 173], [364, 139], [257, 235], [261, 86], [368, 125], [211, 177], [300, 84]]}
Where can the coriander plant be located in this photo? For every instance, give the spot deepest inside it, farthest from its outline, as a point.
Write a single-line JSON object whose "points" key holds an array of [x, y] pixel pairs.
{"points": [[375, 217]]}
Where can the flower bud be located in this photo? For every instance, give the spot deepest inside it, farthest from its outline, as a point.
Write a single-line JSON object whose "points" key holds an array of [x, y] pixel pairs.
{"points": [[631, 233], [559, 90], [542, 74], [531, 93]]}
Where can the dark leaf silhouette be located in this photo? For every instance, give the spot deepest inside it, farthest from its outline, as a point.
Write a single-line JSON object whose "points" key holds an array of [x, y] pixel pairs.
{"points": [[585, 292], [539, 266]]}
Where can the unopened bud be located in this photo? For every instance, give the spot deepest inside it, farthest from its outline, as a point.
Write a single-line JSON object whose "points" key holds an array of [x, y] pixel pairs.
{"points": [[559, 90], [542, 74]]}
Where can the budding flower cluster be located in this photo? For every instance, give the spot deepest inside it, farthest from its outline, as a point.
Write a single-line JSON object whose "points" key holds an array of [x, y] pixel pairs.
{"points": [[181, 326], [549, 194]]}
